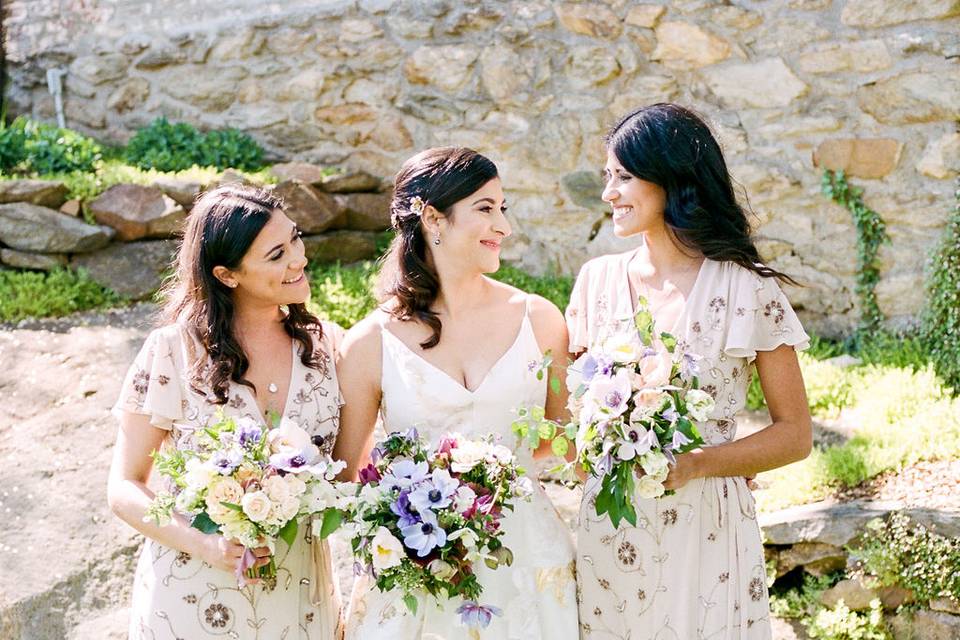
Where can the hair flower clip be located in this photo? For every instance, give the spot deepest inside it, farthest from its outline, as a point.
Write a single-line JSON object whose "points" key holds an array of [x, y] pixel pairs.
{"points": [[417, 205]]}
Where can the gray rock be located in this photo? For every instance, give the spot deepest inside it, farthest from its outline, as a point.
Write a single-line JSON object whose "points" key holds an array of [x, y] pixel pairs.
{"points": [[46, 193], [815, 557], [29, 227], [857, 595], [584, 189], [925, 625], [835, 524], [313, 210], [341, 246], [350, 182], [183, 192], [367, 211], [27, 260], [138, 212], [945, 605], [132, 269]]}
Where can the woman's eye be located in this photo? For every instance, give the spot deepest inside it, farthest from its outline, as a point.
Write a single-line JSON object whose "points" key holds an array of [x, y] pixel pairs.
{"points": [[624, 177], [277, 256]]}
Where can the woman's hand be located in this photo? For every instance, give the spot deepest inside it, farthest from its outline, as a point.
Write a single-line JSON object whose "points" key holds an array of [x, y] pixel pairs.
{"points": [[685, 470], [224, 554]]}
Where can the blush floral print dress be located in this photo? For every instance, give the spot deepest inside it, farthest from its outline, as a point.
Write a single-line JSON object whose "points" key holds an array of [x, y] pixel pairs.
{"points": [[177, 596], [693, 567]]}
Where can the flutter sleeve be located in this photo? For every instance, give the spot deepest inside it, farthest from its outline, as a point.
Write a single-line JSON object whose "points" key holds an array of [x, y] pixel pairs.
{"points": [[760, 317], [578, 312], [152, 385]]}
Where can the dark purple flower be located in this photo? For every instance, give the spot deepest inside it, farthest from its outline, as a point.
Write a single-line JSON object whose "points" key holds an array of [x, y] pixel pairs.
{"points": [[369, 474], [289, 461], [249, 433]]}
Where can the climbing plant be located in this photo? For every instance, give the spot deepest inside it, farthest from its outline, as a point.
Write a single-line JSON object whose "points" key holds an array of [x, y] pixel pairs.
{"points": [[871, 233], [940, 324]]}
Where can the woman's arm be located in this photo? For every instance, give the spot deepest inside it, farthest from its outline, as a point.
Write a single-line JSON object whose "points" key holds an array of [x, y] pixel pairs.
{"points": [[129, 497], [787, 439], [550, 329], [359, 367]]}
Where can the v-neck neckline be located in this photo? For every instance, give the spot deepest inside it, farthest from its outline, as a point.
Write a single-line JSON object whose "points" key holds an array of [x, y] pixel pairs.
{"points": [[290, 384], [449, 377], [632, 300]]}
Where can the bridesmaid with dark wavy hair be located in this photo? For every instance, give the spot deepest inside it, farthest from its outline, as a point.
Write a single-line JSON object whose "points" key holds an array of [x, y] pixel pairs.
{"points": [[693, 567], [237, 337]]}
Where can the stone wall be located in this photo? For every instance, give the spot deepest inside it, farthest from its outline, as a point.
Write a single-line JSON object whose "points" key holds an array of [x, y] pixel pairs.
{"points": [[791, 86]]}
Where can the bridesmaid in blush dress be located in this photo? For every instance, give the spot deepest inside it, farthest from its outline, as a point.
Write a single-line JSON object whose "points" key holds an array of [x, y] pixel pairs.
{"points": [[693, 566]]}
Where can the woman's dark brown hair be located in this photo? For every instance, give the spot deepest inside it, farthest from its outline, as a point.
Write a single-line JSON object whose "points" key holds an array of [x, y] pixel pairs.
{"points": [[673, 148], [440, 178], [222, 225]]}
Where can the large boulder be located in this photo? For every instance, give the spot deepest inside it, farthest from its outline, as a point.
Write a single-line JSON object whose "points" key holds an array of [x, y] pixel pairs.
{"points": [[29, 227], [46, 193], [341, 246], [303, 171], [367, 211], [132, 269], [136, 212], [313, 210]]}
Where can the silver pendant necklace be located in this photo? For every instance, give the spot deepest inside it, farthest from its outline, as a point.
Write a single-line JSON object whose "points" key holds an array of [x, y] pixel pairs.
{"points": [[272, 388]]}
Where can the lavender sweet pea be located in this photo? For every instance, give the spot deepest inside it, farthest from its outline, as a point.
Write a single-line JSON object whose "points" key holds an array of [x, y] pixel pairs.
{"points": [[477, 616], [226, 461], [402, 509]]}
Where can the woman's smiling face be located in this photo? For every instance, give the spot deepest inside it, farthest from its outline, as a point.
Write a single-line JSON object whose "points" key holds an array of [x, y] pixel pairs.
{"points": [[638, 205]]}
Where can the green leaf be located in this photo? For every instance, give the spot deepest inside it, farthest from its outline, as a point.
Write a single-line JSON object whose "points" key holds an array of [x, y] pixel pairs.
{"points": [[230, 505], [643, 320], [289, 532], [332, 518], [411, 603], [555, 385], [203, 522], [560, 446], [669, 340]]}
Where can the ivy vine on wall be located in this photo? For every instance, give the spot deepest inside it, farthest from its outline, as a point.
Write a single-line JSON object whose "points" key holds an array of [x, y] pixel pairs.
{"points": [[871, 234]]}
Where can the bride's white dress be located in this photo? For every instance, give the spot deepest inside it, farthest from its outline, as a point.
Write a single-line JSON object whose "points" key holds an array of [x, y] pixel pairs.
{"points": [[537, 594]]}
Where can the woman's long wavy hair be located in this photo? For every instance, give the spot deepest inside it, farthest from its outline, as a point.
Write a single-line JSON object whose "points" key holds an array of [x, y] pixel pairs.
{"points": [[440, 177], [672, 147], [220, 229]]}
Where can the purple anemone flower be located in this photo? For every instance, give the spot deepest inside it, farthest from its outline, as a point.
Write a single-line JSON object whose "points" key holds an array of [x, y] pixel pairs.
{"points": [[405, 473], [290, 461], [424, 536], [435, 493], [249, 433], [596, 365], [226, 461], [477, 616], [401, 508]]}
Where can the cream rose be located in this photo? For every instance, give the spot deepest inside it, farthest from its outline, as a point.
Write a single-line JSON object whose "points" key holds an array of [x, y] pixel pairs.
{"points": [[256, 505], [648, 487], [276, 488], [700, 404], [654, 370]]}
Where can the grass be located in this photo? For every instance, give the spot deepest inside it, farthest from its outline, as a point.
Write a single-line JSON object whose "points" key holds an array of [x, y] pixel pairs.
{"points": [[25, 294], [903, 412]]}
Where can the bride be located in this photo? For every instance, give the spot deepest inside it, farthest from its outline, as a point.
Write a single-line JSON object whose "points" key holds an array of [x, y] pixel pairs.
{"points": [[453, 350]]}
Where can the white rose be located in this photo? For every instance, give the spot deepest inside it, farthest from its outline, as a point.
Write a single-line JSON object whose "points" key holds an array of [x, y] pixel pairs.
{"points": [[289, 435], [700, 404], [655, 464], [276, 488], [648, 487], [256, 505], [198, 474], [386, 550], [295, 485], [289, 509], [466, 456]]}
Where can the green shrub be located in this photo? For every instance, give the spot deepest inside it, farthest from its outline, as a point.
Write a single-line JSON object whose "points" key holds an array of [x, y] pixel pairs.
{"points": [[940, 325], [556, 289], [841, 623], [228, 148], [25, 294], [342, 294], [901, 553], [34, 147], [166, 146], [801, 602]]}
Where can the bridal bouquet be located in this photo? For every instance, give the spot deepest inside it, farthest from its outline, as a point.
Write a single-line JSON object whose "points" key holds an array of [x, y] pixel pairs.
{"points": [[634, 401], [423, 518], [245, 483]]}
